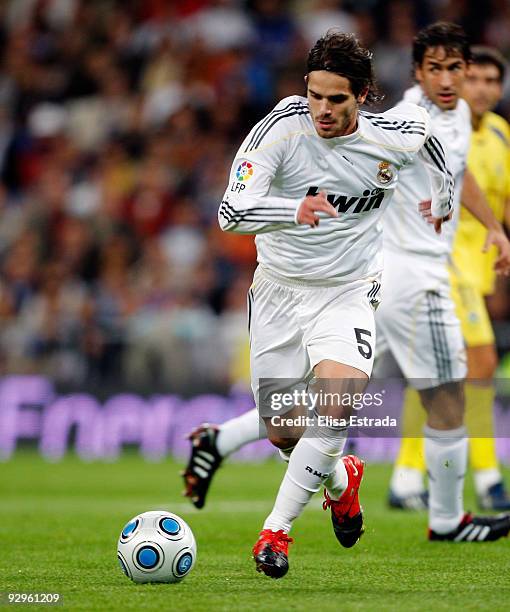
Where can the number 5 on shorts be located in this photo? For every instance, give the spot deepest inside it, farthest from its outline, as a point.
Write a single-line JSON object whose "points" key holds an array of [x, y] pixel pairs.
{"points": [[363, 345]]}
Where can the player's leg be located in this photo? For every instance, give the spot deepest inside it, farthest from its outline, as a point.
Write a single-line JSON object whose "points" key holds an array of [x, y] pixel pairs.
{"points": [[407, 486], [490, 489], [352, 340], [445, 434], [333, 319], [407, 490], [279, 365], [316, 460], [399, 321], [210, 444], [479, 391], [446, 454]]}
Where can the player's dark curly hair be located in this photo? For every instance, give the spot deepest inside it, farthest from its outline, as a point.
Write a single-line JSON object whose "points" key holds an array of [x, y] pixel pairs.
{"points": [[444, 34], [342, 54], [483, 56]]}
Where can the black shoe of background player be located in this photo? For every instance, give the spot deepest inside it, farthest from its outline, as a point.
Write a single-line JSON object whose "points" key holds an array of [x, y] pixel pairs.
{"points": [[203, 463], [476, 529], [495, 498]]}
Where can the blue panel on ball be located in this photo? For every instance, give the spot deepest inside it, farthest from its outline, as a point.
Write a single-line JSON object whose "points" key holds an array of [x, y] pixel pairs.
{"points": [[184, 564], [129, 528], [170, 526], [147, 557]]}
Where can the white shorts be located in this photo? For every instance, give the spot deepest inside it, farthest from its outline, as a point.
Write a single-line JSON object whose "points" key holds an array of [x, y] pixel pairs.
{"points": [[417, 323], [295, 326]]}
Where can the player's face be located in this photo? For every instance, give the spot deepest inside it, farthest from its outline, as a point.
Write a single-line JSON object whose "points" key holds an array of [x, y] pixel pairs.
{"points": [[442, 77], [483, 88], [333, 106]]}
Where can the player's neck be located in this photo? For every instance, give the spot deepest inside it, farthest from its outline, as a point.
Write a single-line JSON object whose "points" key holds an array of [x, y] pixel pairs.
{"points": [[476, 121], [353, 125]]}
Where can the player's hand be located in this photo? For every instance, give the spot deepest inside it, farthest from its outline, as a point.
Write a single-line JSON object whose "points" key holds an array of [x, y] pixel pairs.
{"points": [[498, 238], [312, 205], [425, 209]]}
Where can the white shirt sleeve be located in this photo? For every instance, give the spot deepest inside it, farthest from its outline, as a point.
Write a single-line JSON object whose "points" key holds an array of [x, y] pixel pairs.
{"points": [[248, 205], [435, 160]]}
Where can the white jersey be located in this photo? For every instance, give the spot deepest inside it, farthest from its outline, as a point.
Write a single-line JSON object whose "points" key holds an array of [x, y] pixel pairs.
{"points": [[283, 159], [404, 227]]}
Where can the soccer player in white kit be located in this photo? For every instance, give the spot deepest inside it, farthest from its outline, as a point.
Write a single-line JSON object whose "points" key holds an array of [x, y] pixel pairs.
{"points": [[312, 181], [417, 323]]}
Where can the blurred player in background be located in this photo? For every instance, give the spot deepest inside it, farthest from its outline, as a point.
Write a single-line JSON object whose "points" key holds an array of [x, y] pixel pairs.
{"points": [[472, 278], [312, 302], [418, 330]]}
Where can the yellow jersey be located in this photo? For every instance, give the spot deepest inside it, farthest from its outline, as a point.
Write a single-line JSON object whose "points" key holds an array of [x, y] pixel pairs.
{"points": [[489, 162]]}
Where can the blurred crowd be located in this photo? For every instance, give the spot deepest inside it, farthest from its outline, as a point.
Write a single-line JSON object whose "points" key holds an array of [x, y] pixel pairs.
{"points": [[118, 123]]}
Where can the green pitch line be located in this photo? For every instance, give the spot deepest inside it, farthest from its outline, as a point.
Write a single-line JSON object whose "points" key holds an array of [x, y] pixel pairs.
{"points": [[59, 524]]}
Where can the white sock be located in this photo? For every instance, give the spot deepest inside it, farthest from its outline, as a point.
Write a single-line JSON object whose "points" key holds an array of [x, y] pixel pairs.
{"points": [[311, 463], [240, 431], [406, 481], [446, 457], [337, 482], [485, 479]]}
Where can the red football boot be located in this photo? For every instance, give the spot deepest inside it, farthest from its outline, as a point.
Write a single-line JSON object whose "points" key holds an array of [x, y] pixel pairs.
{"points": [[271, 553], [346, 513]]}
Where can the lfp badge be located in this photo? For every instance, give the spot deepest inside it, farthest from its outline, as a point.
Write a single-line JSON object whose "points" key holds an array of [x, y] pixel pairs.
{"points": [[244, 171]]}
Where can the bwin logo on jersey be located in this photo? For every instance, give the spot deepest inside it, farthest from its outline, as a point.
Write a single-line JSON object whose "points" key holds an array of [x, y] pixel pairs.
{"points": [[370, 200]]}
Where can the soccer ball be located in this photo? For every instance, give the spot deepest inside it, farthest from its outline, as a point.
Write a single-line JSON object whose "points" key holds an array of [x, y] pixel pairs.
{"points": [[156, 546]]}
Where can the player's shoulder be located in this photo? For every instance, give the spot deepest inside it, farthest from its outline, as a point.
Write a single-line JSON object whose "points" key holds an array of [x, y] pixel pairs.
{"points": [[289, 116], [462, 108], [463, 113], [291, 103], [403, 127], [498, 121], [498, 126]]}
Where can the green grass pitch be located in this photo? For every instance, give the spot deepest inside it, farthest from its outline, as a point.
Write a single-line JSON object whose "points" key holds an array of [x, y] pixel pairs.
{"points": [[59, 525]]}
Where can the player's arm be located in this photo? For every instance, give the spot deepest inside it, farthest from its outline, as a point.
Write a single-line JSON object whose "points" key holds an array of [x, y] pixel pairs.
{"points": [[247, 207], [506, 212], [473, 200], [440, 207]]}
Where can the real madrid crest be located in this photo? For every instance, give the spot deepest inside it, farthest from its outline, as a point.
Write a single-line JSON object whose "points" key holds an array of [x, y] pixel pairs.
{"points": [[385, 173]]}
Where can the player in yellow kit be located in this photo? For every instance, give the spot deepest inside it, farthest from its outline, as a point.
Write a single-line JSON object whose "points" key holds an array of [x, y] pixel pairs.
{"points": [[472, 278]]}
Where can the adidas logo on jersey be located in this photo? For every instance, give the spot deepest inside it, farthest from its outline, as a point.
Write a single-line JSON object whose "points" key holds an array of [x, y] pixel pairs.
{"points": [[370, 200]]}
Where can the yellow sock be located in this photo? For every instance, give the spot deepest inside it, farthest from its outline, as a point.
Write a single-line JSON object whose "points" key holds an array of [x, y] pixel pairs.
{"points": [[480, 422], [412, 451]]}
